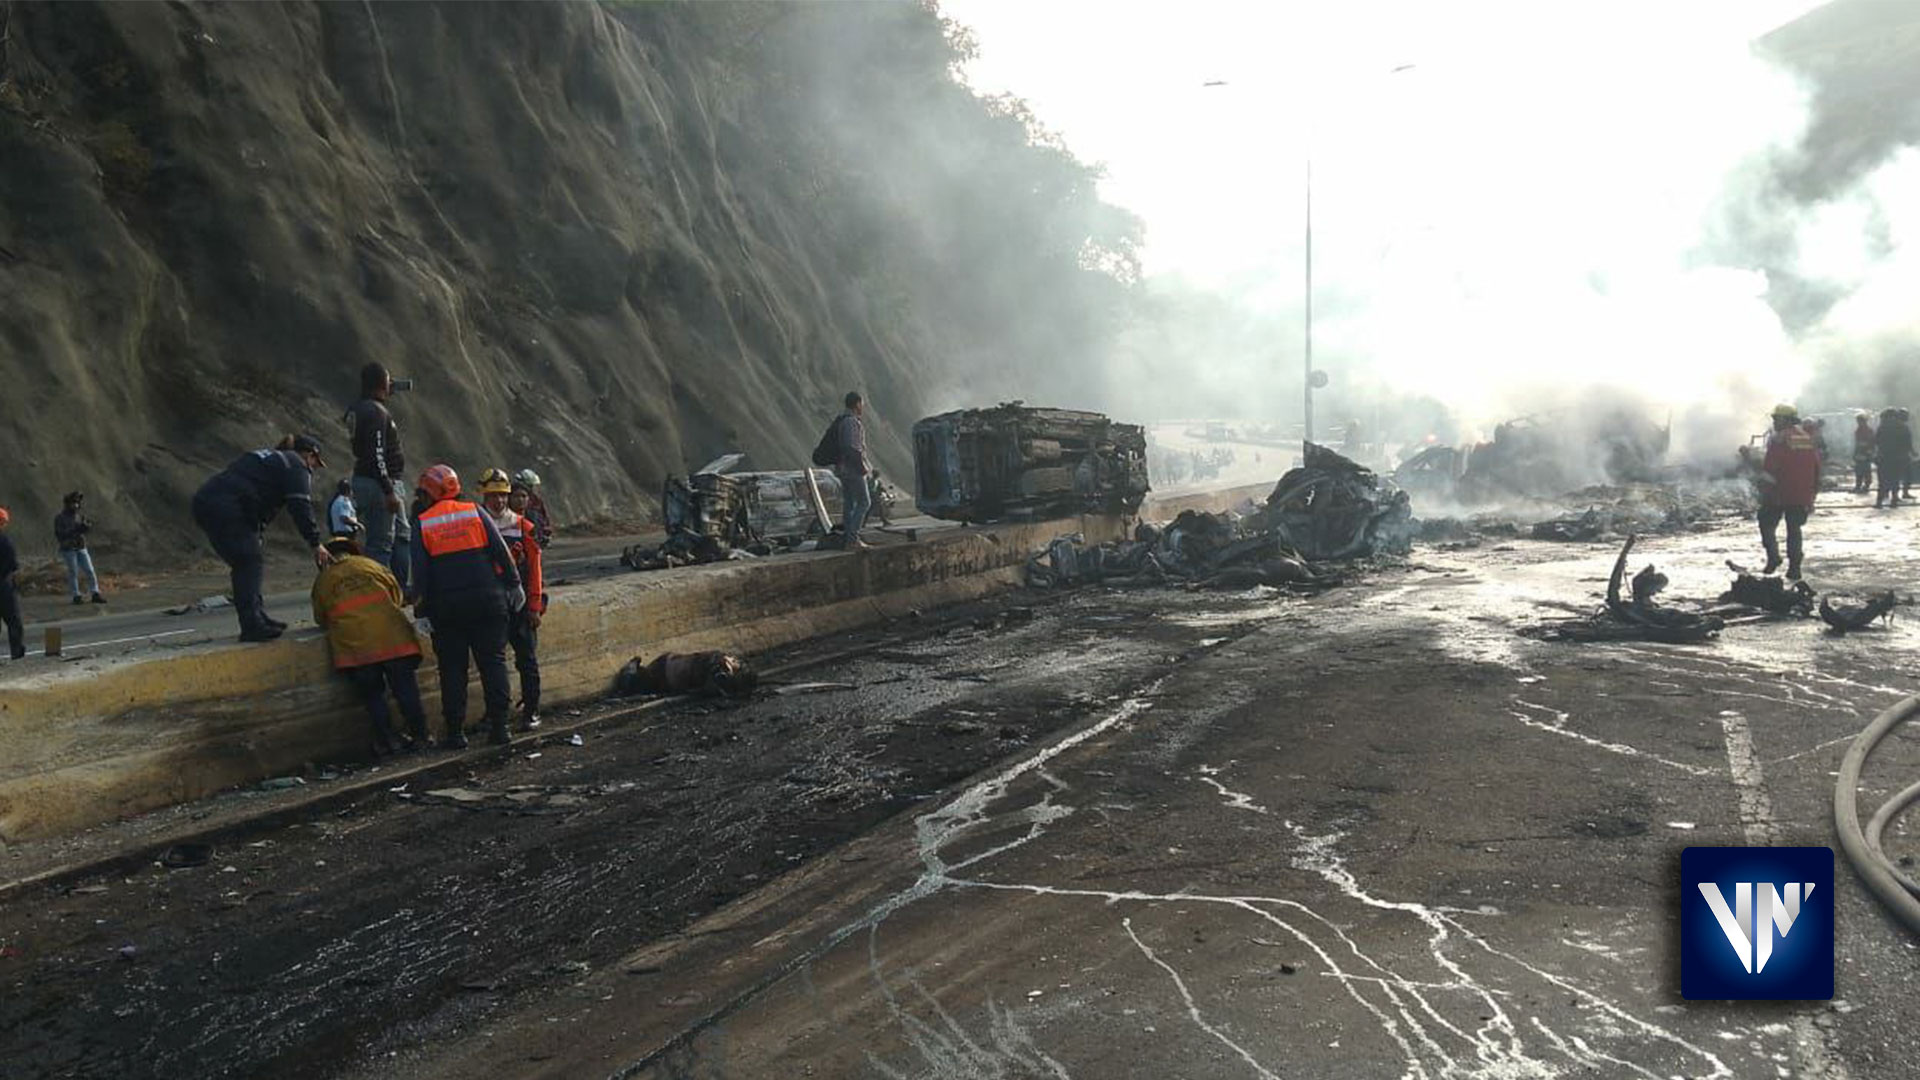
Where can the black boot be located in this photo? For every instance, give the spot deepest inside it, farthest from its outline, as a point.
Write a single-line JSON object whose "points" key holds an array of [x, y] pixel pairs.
{"points": [[456, 736], [1773, 563], [497, 730]]}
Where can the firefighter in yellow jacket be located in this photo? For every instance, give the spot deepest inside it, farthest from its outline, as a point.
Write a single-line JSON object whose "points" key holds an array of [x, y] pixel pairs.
{"points": [[357, 602]]}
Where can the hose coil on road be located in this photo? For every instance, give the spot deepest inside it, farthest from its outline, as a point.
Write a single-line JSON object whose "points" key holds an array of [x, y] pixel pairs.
{"points": [[1900, 893]]}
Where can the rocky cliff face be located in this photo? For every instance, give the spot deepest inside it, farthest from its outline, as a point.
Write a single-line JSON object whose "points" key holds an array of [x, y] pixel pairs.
{"points": [[608, 241]]}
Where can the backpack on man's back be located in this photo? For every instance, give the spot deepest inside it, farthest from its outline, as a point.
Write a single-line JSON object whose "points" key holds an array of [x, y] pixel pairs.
{"points": [[827, 453]]}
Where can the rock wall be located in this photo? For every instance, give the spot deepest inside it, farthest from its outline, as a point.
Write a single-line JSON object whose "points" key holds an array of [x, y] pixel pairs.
{"points": [[607, 241]]}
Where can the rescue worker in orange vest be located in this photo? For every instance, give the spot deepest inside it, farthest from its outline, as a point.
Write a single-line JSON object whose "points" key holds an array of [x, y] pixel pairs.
{"points": [[467, 586], [523, 629], [357, 601]]}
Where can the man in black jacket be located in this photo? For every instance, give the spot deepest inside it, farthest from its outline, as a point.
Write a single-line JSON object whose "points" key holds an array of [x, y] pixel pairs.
{"points": [[235, 507], [70, 528], [10, 600], [378, 466]]}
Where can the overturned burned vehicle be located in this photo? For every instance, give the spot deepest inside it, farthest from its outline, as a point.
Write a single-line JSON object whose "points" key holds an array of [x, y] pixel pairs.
{"points": [[741, 507], [1016, 462], [724, 513]]}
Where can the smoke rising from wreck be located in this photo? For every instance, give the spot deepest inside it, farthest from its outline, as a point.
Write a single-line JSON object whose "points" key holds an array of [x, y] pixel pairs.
{"points": [[1605, 214]]}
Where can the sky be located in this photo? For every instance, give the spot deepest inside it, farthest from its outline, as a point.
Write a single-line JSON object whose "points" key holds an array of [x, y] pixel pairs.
{"points": [[1525, 205]]}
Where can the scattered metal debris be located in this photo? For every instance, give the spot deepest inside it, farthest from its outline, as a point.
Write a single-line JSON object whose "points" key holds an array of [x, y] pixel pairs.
{"points": [[1639, 618], [1771, 594], [1846, 616], [1017, 462]]}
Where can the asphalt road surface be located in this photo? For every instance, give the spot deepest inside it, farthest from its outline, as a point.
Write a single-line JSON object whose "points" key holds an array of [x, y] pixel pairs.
{"points": [[205, 616], [1144, 833]]}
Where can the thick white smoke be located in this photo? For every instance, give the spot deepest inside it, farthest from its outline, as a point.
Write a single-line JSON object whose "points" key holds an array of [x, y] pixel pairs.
{"points": [[1552, 201]]}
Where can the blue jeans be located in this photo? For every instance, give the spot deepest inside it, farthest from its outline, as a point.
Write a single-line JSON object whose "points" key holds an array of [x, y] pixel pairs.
{"points": [[76, 562], [370, 506], [855, 500], [402, 562]]}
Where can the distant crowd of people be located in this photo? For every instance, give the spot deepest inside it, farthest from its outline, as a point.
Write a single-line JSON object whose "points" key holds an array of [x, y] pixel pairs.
{"points": [[1885, 451]]}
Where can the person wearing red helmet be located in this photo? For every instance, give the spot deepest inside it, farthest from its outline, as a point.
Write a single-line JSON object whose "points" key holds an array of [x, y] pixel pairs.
{"points": [[467, 586], [9, 599]]}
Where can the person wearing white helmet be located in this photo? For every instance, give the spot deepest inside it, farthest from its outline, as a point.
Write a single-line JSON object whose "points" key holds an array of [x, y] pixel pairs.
{"points": [[535, 510], [523, 626]]}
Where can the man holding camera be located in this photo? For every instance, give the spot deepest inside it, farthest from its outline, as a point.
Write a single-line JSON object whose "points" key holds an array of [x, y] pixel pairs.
{"points": [[378, 463], [70, 530]]}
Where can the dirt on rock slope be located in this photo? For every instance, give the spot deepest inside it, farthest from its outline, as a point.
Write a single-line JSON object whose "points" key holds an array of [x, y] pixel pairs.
{"points": [[608, 240]]}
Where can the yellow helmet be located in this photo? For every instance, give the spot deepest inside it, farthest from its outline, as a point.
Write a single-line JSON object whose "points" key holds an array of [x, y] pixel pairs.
{"points": [[495, 482], [1787, 411]]}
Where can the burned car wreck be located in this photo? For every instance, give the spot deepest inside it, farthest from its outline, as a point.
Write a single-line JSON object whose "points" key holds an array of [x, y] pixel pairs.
{"points": [[1328, 512], [1017, 462], [723, 512]]}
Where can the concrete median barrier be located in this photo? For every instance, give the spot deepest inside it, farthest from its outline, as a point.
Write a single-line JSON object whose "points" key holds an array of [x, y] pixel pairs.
{"points": [[88, 741]]}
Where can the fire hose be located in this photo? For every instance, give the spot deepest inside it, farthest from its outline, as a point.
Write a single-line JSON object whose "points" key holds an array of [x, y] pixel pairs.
{"points": [[1899, 892]]}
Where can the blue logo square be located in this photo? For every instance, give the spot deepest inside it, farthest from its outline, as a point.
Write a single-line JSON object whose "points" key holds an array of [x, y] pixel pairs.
{"points": [[1756, 923]]}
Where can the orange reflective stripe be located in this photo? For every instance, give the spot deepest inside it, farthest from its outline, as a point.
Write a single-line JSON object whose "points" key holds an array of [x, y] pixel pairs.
{"points": [[447, 532], [376, 656], [355, 603]]}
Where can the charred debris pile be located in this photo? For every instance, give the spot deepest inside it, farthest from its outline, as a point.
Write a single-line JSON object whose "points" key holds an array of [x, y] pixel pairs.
{"points": [[1578, 479], [1633, 610], [1322, 519]]}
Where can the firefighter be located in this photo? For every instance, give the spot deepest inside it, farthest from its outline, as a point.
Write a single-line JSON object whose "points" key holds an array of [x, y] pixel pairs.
{"points": [[1864, 442], [1893, 452], [358, 603], [234, 508], [523, 630], [467, 586], [536, 510], [1789, 480]]}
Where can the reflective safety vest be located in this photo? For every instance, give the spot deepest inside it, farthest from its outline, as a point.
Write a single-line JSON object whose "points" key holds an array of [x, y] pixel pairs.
{"points": [[448, 528]]}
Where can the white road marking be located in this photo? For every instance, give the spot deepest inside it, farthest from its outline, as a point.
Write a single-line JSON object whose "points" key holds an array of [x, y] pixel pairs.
{"points": [[1813, 1057]]}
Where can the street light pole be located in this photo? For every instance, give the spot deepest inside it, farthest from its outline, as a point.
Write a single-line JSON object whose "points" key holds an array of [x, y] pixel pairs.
{"points": [[1307, 384]]}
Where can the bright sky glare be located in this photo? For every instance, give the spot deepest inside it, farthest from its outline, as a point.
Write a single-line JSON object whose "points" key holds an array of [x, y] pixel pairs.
{"points": [[1529, 199]]}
